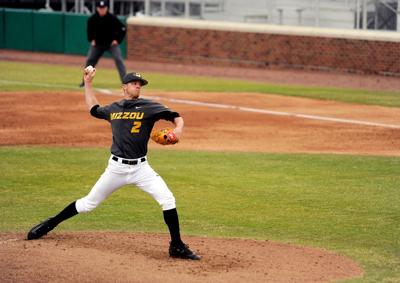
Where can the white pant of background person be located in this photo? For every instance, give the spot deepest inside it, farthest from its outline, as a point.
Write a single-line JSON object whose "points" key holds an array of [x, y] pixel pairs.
{"points": [[117, 175]]}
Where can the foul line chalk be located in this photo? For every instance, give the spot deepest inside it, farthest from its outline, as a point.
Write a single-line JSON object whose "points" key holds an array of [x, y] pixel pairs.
{"points": [[8, 82], [8, 241], [277, 113], [226, 106]]}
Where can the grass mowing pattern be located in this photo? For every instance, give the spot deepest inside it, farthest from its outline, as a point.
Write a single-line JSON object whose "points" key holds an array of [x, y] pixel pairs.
{"points": [[56, 77], [345, 203]]}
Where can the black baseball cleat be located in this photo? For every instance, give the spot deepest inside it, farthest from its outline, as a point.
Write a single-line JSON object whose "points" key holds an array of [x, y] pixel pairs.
{"points": [[182, 251], [40, 230]]}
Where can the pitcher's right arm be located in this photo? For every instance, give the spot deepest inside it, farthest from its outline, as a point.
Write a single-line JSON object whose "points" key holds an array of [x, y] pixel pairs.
{"points": [[90, 98]]}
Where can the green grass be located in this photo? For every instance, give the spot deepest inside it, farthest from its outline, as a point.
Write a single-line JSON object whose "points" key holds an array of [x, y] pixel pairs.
{"points": [[16, 76], [349, 204]]}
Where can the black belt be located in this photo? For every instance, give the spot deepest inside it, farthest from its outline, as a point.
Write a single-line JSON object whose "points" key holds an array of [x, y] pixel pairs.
{"points": [[129, 162]]}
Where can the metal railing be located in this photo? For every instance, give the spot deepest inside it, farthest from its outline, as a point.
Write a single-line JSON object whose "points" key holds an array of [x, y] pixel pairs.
{"points": [[87, 6], [361, 14]]}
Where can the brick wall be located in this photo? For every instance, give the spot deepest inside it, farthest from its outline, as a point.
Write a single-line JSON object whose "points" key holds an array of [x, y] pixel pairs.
{"points": [[227, 47]]}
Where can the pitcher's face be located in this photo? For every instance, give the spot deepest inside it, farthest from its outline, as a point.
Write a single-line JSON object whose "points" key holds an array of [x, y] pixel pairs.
{"points": [[132, 89]]}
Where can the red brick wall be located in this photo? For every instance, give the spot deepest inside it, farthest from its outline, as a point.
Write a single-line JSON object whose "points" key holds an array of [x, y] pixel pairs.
{"points": [[263, 50]]}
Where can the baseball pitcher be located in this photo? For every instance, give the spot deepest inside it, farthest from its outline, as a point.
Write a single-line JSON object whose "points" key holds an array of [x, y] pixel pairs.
{"points": [[132, 120]]}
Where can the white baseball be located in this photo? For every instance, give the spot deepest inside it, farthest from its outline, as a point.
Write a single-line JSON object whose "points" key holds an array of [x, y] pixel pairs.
{"points": [[89, 69]]}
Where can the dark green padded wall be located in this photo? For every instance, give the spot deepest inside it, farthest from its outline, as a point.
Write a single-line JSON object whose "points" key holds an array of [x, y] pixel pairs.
{"points": [[48, 32], [18, 29]]}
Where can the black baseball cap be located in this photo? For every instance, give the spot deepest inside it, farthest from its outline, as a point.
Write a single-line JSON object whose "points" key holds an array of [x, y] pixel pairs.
{"points": [[131, 77], [101, 4]]}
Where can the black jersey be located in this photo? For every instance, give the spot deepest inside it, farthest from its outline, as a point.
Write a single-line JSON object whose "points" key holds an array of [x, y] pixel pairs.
{"points": [[105, 29], [132, 122]]}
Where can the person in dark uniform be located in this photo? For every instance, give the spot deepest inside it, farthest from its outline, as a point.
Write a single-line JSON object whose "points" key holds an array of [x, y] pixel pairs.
{"points": [[132, 120], [105, 33]]}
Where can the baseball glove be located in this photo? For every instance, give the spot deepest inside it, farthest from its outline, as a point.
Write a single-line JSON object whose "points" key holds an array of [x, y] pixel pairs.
{"points": [[164, 137]]}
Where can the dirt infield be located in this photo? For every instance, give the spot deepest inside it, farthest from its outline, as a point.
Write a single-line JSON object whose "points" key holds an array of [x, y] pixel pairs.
{"points": [[129, 257], [211, 128]]}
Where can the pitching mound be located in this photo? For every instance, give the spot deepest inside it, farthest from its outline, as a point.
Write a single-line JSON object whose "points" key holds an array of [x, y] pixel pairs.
{"points": [[134, 257]]}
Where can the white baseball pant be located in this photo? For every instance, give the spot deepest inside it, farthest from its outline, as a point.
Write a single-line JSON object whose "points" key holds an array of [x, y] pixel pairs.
{"points": [[117, 175]]}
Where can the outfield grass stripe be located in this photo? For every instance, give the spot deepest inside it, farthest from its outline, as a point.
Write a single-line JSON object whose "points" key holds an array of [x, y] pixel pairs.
{"points": [[71, 76], [58, 86], [11, 82], [277, 113]]}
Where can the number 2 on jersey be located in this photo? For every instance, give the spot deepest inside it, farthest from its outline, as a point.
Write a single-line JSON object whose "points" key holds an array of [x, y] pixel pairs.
{"points": [[136, 127]]}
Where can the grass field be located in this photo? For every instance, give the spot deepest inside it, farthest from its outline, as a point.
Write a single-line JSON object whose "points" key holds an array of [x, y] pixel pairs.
{"points": [[56, 77], [348, 204], [343, 203]]}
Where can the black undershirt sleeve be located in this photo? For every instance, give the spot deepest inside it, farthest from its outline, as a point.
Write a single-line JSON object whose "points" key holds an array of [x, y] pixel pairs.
{"points": [[100, 112], [93, 111], [167, 115]]}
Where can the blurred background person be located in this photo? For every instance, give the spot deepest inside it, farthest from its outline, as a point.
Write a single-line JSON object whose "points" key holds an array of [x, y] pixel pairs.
{"points": [[105, 33]]}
